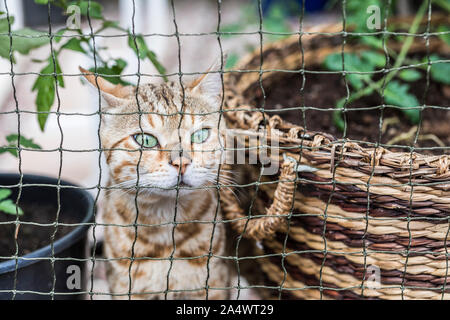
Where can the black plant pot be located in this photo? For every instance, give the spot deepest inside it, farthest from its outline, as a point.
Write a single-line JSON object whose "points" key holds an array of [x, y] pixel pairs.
{"points": [[34, 276], [36, 15]]}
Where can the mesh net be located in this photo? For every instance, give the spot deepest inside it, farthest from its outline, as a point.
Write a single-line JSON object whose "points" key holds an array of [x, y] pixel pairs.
{"points": [[405, 252]]}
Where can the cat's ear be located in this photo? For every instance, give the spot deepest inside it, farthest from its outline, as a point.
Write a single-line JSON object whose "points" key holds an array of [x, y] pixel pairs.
{"points": [[114, 95], [209, 85]]}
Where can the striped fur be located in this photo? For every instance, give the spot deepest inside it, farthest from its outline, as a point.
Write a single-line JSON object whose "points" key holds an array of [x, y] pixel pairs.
{"points": [[162, 242]]}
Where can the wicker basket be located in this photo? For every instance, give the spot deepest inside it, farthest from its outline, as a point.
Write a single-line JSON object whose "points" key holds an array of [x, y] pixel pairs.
{"points": [[340, 220]]}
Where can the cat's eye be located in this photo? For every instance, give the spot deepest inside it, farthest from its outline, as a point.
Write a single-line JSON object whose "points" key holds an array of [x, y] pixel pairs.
{"points": [[200, 136], [146, 140]]}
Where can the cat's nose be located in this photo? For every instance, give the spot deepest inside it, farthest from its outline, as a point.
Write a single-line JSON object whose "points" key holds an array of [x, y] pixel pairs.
{"points": [[182, 162]]}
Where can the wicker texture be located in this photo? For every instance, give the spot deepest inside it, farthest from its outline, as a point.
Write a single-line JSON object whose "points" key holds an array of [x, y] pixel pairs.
{"points": [[357, 206]]}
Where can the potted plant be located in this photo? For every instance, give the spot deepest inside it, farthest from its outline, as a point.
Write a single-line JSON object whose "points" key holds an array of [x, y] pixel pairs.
{"points": [[51, 221]]}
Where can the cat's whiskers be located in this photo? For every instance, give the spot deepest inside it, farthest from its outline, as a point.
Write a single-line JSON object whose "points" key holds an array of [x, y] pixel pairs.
{"points": [[122, 187], [130, 185], [212, 177], [222, 177]]}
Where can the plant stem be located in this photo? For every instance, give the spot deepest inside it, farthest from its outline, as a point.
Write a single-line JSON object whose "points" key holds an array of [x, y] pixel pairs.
{"points": [[407, 44], [398, 62]]}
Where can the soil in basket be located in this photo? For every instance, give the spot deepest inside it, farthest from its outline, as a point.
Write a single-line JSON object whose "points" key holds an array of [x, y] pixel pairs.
{"points": [[32, 237], [322, 91]]}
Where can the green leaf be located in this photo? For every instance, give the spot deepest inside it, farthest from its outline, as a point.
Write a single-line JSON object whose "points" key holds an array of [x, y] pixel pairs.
{"points": [[110, 24], [112, 73], [12, 144], [10, 149], [23, 41], [45, 97], [334, 62], [58, 36], [5, 149], [59, 72], [8, 206], [95, 9], [357, 13], [142, 51], [231, 60], [440, 71], [41, 1], [49, 69], [233, 28], [444, 37], [337, 115], [27, 143], [275, 20], [74, 44], [372, 41], [152, 57], [45, 86], [353, 64], [4, 40], [374, 58], [4, 26], [4, 193], [409, 75], [26, 40], [397, 94]]}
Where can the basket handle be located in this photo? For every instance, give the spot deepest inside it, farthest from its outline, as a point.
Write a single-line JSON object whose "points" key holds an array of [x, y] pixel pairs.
{"points": [[265, 226]]}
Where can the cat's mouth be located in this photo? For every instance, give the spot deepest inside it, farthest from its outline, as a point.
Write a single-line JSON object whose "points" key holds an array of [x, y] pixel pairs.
{"points": [[182, 184]]}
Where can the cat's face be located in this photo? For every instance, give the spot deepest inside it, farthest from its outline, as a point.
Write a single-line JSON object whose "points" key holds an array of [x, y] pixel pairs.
{"points": [[155, 141]]}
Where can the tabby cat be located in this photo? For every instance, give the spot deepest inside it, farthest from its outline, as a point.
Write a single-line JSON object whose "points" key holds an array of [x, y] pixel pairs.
{"points": [[163, 146]]}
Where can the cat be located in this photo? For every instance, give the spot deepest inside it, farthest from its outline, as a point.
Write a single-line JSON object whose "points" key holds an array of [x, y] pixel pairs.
{"points": [[151, 139]]}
